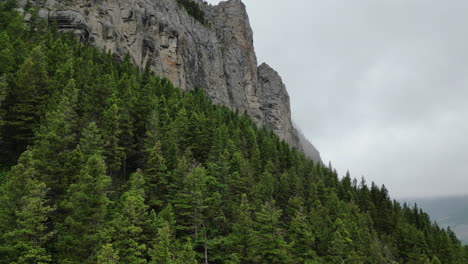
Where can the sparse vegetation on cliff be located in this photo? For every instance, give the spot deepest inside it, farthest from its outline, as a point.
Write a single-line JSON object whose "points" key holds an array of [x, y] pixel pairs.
{"points": [[193, 9]]}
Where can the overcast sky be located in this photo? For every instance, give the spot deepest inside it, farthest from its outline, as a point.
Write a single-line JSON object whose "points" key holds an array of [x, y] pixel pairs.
{"points": [[380, 87]]}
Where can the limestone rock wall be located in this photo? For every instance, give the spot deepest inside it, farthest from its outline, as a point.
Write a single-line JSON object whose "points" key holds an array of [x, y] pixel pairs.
{"points": [[217, 56]]}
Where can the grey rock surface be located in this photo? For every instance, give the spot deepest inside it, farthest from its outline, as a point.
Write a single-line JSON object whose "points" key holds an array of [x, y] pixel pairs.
{"points": [[275, 105], [217, 56]]}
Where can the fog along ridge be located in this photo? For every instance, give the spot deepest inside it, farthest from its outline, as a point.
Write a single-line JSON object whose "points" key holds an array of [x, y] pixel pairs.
{"points": [[217, 55]]}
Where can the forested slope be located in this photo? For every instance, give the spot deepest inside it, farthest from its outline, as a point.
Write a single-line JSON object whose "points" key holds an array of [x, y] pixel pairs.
{"points": [[103, 163]]}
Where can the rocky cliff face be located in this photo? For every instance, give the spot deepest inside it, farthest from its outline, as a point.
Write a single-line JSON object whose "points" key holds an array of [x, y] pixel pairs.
{"points": [[217, 56]]}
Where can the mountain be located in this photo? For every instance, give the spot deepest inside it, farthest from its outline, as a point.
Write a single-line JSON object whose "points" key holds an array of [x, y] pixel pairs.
{"points": [[104, 162], [213, 51], [447, 212]]}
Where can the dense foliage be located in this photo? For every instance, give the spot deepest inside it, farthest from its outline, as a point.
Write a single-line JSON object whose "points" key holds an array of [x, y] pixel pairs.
{"points": [[193, 9], [107, 164]]}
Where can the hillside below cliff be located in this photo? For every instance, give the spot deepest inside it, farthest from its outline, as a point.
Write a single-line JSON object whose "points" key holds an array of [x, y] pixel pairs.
{"points": [[217, 55], [102, 162]]}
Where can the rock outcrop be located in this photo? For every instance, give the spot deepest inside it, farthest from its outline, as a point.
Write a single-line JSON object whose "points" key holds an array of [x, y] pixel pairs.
{"points": [[217, 55], [275, 106]]}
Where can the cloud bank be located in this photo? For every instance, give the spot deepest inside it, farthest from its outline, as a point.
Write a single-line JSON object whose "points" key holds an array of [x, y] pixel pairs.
{"points": [[379, 87]]}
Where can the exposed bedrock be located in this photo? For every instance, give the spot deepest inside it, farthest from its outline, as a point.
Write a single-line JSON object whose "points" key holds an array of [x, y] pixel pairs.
{"points": [[217, 56]]}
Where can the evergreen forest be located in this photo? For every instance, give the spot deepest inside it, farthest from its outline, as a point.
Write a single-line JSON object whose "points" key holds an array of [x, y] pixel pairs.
{"points": [[102, 162]]}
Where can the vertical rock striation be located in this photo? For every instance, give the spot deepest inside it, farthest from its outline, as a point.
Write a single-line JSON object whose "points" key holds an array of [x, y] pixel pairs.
{"points": [[217, 56]]}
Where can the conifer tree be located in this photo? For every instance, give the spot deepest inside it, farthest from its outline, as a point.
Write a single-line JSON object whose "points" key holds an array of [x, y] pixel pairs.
{"points": [[7, 60], [86, 202], [55, 141], [91, 142], [186, 254], [107, 255], [178, 175], [339, 243], [435, 260], [238, 181], [25, 212], [267, 183], [111, 133], [242, 238], [157, 180], [192, 202], [30, 97], [130, 222], [31, 235], [3, 95], [191, 206], [302, 236], [270, 246], [163, 251]]}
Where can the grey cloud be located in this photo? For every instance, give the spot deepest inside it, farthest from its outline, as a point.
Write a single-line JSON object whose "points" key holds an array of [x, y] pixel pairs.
{"points": [[380, 87]]}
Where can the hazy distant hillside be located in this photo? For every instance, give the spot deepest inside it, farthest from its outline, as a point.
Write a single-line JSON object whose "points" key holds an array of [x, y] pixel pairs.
{"points": [[448, 211], [307, 147]]}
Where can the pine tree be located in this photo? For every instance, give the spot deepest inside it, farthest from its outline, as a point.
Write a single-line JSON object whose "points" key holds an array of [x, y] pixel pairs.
{"points": [[267, 183], [54, 143], [91, 142], [186, 254], [84, 230], [157, 181], [270, 245], [30, 97], [164, 244], [178, 175], [3, 95], [238, 181], [25, 212], [111, 133], [435, 260], [191, 207], [163, 251], [242, 238], [107, 255], [130, 222], [191, 202], [31, 235], [7, 60], [302, 236]]}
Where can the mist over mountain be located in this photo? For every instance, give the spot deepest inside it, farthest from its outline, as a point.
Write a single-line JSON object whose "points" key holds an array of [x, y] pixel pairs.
{"points": [[447, 212]]}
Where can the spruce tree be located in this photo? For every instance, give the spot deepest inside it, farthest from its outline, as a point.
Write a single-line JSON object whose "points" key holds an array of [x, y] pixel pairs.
{"points": [[163, 246], [7, 60], [302, 236], [3, 95], [84, 230], [107, 255], [157, 180], [130, 222], [30, 97], [25, 212], [91, 142], [31, 235], [111, 133], [270, 245], [242, 238], [191, 202], [186, 254]]}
